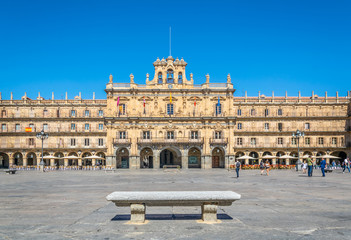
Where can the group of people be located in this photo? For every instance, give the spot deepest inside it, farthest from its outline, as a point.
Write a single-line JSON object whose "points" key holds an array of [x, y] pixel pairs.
{"points": [[264, 166], [307, 166]]}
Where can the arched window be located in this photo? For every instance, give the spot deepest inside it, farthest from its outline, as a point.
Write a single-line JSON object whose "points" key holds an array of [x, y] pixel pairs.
{"points": [[170, 78], [180, 78], [160, 78]]}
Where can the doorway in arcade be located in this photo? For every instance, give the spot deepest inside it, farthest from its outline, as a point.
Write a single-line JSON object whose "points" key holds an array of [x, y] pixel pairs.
{"points": [[170, 157]]}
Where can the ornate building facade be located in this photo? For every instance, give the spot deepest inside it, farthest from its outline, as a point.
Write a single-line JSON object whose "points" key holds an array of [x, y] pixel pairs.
{"points": [[172, 121]]}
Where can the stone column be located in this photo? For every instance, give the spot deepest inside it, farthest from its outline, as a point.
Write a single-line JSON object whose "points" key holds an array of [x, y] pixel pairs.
{"points": [[93, 162], [327, 160], [185, 161], [229, 161], [65, 162], [111, 161], [246, 161], [137, 213], [80, 162], [287, 162], [156, 159], [206, 162], [209, 212], [52, 162], [133, 162], [12, 160], [24, 161]]}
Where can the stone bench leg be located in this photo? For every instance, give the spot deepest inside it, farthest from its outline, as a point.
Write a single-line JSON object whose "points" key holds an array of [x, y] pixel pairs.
{"points": [[137, 213], [209, 212]]}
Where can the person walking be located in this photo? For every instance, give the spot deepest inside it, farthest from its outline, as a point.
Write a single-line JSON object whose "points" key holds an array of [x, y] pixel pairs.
{"points": [[346, 165], [334, 165], [323, 163], [304, 167], [268, 167], [310, 166], [262, 167], [237, 168]]}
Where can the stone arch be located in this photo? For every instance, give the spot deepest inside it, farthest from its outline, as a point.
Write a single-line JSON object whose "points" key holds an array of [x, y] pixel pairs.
{"points": [[73, 161], [218, 157], [101, 162], [32, 159], [146, 158], [122, 158], [170, 156], [254, 155], [194, 157], [46, 161], [18, 159], [4, 160], [294, 161], [59, 162], [278, 160], [86, 161], [341, 154], [239, 154]]}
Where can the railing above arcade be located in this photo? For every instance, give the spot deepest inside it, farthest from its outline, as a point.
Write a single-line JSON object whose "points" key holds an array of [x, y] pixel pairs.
{"points": [[161, 140], [218, 140]]}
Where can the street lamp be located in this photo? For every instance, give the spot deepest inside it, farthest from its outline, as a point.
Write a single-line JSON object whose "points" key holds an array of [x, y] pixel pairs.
{"points": [[297, 136], [42, 135]]}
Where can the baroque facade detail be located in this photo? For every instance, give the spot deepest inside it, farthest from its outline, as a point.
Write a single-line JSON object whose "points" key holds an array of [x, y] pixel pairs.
{"points": [[169, 120]]}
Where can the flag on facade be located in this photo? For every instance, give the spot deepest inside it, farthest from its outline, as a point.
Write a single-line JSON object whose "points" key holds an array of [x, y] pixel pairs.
{"points": [[118, 105], [28, 129], [218, 107], [144, 106], [170, 97], [195, 102]]}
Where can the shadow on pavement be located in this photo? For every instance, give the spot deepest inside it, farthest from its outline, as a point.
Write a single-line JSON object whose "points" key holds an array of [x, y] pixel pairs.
{"points": [[126, 217]]}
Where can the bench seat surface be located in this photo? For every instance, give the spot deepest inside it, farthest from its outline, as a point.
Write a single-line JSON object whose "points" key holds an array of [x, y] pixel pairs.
{"points": [[173, 198]]}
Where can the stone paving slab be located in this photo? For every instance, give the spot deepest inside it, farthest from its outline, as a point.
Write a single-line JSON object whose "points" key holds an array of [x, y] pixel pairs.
{"points": [[72, 205]]}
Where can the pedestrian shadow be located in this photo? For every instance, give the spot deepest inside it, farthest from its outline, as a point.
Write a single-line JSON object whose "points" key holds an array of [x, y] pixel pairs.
{"points": [[126, 217]]}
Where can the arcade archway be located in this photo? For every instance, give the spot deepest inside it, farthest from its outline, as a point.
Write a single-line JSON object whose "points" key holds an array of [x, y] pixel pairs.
{"points": [[122, 158], [170, 157], [4, 160], [146, 158], [194, 158], [218, 158]]}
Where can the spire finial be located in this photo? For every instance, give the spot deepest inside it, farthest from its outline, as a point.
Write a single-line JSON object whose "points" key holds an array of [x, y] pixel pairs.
{"points": [[111, 78], [170, 41]]}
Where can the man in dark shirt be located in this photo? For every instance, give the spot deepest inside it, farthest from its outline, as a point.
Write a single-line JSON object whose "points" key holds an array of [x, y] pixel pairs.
{"points": [[323, 163]]}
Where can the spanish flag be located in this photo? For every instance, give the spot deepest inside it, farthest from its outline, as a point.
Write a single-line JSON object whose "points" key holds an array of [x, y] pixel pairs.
{"points": [[170, 97]]}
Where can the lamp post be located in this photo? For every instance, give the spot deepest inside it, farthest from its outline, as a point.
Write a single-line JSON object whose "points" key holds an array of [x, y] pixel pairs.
{"points": [[42, 135], [297, 136]]}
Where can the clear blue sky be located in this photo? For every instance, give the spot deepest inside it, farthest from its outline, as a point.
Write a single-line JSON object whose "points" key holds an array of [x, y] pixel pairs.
{"points": [[266, 46]]}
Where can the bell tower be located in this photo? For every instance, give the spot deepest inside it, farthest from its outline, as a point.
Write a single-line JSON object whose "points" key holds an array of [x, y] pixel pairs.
{"points": [[169, 72]]}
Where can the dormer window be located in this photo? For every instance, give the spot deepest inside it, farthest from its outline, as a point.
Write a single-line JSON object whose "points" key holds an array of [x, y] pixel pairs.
{"points": [[180, 78], [160, 78], [170, 78]]}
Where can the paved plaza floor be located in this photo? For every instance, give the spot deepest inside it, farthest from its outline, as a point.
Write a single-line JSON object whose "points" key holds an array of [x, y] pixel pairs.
{"points": [[72, 205]]}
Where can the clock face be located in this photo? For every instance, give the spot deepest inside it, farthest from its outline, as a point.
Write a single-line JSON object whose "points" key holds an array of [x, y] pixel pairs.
{"points": [[170, 86]]}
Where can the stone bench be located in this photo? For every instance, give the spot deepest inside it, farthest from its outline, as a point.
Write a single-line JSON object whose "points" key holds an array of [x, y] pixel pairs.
{"points": [[10, 171], [208, 200]]}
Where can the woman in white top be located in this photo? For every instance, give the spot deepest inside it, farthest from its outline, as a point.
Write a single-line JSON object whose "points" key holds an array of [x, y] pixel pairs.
{"points": [[304, 167]]}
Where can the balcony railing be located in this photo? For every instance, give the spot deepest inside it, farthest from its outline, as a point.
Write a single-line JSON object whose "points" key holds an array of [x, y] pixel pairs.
{"points": [[219, 141], [288, 145], [182, 140], [121, 141]]}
